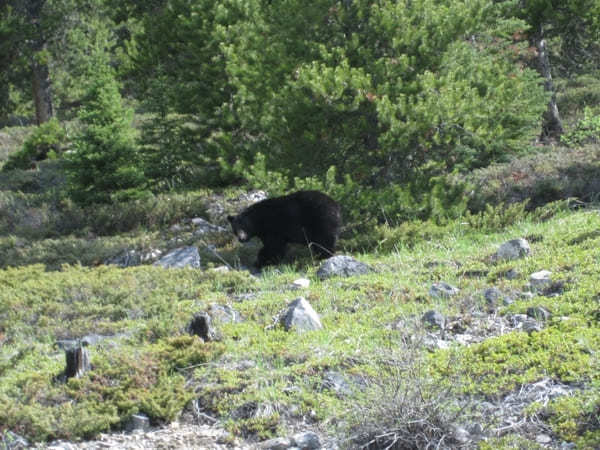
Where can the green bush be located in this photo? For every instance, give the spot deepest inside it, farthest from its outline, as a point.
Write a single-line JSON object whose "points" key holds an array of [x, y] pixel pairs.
{"points": [[104, 165], [45, 141], [586, 130]]}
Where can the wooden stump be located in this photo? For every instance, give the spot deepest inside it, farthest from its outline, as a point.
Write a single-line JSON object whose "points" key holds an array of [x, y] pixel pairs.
{"points": [[78, 361]]}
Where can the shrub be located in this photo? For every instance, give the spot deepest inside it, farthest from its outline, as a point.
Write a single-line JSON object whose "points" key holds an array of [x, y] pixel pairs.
{"points": [[404, 408], [103, 166], [45, 141], [586, 130]]}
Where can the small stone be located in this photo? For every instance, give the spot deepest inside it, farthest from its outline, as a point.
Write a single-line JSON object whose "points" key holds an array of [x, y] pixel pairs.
{"points": [[442, 290], [223, 313], [336, 382], [280, 443], [301, 283], [301, 316], [307, 440], [492, 295], [476, 429], [508, 300], [513, 249], [433, 318], [511, 274], [526, 295], [464, 339], [203, 226], [543, 439], [220, 269], [517, 319], [539, 313], [138, 422], [461, 435], [531, 325], [541, 279]]}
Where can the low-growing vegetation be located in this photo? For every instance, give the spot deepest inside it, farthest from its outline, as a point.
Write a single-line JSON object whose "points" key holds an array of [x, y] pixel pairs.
{"points": [[258, 380]]}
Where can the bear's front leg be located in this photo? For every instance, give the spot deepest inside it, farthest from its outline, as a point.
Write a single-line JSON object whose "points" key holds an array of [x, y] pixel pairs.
{"points": [[272, 252]]}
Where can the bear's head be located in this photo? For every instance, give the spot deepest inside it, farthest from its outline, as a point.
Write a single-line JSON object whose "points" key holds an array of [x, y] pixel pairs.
{"points": [[241, 227]]}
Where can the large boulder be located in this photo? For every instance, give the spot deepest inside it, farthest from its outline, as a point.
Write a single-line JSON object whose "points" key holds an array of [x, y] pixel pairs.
{"points": [[180, 257], [301, 316], [343, 266], [513, 249]]}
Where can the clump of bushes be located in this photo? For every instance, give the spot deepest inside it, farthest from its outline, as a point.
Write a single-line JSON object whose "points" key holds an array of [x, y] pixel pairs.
{"points": [[47, 140], [539, 178], [404, 408]]}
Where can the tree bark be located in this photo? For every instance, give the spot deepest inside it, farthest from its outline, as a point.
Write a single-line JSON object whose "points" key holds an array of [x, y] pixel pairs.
{"points": [[78, 362], [552, 125], [42, 92], [40, 74]]}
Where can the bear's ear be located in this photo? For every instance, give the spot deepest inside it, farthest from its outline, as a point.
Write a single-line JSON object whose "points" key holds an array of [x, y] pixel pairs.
{"points": [[230, 218]]}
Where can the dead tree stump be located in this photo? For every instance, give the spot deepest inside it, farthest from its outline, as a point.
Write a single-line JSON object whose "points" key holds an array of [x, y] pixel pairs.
{"points": [[78, 361]]}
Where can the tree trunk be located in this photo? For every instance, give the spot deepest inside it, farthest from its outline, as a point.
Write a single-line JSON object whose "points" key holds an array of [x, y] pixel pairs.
{"points": [[42, 92], [40, 75], [552, 126]]}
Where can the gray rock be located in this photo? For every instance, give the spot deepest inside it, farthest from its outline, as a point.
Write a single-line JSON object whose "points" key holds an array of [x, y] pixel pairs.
{"points": [[517, 320], [301, 316], [130, 258], [434, 319], [342, 265], [526, 295], [307, 440], [543, 439], [202, 226], [223, 313], [180, 257], [513, 249], [280, 443], [492, 295], [461, 435], [335, 381], [244, 297], [539, 313], [300, 283], [531, 325], [12, 441], [511, 274], [442, 290], [138, 422], [541, 279]]}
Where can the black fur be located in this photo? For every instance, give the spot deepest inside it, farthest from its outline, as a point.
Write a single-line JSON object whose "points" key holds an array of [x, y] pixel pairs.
{"points": [[304, 217]]}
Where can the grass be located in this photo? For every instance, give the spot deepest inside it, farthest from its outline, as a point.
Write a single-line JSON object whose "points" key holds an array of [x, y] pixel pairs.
{"points": [[258, 379]]}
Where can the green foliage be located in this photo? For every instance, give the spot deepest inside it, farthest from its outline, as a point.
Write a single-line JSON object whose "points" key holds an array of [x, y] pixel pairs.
{"points": [[497, 217], [586, 130], [49, 216], [104, 165], [310, 86], [46, 141], [558, 173], [575, 418]]}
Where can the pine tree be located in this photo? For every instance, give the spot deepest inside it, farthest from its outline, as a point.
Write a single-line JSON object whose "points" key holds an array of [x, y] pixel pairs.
{"points": [[104, 165]]}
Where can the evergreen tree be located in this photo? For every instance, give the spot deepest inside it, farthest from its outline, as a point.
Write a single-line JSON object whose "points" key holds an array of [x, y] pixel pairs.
{"points": [[104, 165]]}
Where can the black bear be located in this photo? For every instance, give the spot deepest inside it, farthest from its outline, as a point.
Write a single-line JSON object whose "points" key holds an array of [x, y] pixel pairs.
{"points": [[304, 217]]}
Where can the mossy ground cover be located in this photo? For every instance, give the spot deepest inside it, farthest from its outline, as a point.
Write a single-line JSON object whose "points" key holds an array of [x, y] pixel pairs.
{"points": [[258, 379]]}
